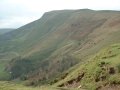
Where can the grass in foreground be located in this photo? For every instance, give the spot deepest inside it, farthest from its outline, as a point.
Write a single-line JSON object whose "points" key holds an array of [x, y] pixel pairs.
{"points": [[4, 85], [12, 86]]}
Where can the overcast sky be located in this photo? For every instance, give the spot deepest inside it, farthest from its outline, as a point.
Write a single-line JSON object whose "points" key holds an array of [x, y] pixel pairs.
{"points": [[15, 13]]}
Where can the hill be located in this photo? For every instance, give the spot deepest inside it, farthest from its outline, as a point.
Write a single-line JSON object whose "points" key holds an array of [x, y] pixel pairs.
{"points": [[44, 49]]}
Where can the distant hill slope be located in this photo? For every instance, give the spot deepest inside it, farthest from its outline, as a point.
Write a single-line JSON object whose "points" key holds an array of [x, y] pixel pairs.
{"points": [[60, 39], [3, 31]]}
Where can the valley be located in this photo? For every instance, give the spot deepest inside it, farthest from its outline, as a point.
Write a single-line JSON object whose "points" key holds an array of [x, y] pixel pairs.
{"points": [[63, 50]]}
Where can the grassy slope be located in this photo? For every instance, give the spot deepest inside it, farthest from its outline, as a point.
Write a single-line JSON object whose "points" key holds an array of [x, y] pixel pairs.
{"points": [[101, 70], [14, 44], [60, 34]]}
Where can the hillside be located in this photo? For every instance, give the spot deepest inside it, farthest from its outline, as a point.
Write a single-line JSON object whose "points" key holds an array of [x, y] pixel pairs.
{"points": [[3, 31], [46, 48], [101, 71]]}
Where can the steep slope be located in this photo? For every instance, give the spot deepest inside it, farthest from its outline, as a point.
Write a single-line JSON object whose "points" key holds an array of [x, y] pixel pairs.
{"points": [[102, 70], [51, 45]]}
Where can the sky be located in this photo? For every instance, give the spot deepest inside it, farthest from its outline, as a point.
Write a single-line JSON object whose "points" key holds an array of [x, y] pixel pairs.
{"points": [[16, 13]]}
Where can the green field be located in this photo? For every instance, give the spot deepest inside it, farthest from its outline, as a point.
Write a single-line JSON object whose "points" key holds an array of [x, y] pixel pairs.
{"points": [[12, 86]]}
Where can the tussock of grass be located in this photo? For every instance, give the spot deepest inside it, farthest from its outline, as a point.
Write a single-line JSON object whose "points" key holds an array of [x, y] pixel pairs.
{"points": [[13, 86]]}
